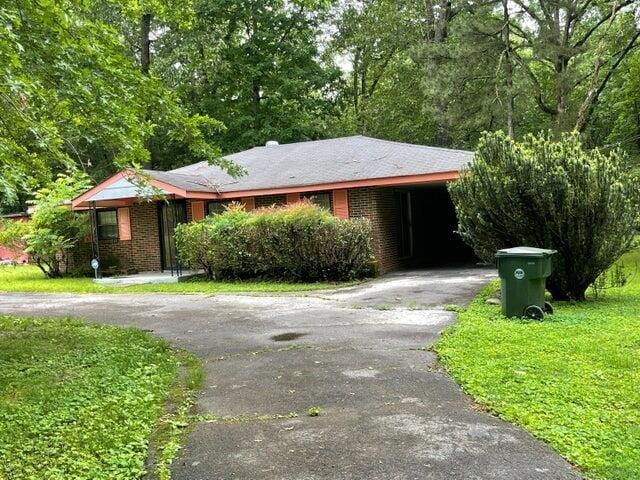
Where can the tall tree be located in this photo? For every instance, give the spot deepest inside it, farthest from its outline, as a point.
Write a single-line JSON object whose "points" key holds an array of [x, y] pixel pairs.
{"points": [[555, 42], [254, 65], [417, 63], [73, 96], [371, 36], [508, 66], [616, 122]]}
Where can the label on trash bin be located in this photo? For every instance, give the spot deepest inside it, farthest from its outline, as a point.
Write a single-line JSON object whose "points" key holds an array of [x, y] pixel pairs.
{"points": [[518, 273]]}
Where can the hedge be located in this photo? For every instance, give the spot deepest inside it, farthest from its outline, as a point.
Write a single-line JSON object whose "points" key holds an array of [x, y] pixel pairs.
{"points": [[299, 242]]}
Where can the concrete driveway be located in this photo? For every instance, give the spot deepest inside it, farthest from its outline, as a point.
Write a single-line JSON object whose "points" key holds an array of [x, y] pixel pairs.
{"points": [[387, 410]]}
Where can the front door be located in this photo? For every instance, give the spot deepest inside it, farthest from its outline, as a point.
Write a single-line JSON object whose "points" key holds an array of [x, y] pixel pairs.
{"points": [[170, 214]]}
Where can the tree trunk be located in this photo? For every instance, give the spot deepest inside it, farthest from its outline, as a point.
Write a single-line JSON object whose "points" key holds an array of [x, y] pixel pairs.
{"points": [[41, 267], [255, 106], [508, 67], [145, 66], [356, 66], [576, 294], [145, 43], [592, 92], [439, 15]]}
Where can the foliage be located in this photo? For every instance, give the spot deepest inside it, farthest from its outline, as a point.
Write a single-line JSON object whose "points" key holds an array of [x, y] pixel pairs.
{"points": [[104, 84], [255, 66], [551, 194], [13, 234], [54, 229], [214, 246], [77, 400], [620, 121], [313, 411], [616, 277], [446, 71], [306, 242], [570, 380], [73, 95], [29, 278], [300, 242]]}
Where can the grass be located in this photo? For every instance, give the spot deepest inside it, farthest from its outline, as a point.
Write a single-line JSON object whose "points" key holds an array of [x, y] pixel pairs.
{"points": [[81, 401], [28, 278], [572, 380]]}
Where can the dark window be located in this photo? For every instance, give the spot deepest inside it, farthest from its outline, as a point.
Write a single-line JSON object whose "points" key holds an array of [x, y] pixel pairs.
{"points": [[107, 225], [216, 207], [322, 199]]}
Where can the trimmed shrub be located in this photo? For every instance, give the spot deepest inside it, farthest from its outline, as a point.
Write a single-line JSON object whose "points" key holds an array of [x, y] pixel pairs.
{"points": [[299, 242], [550, 194], [214, 245]]}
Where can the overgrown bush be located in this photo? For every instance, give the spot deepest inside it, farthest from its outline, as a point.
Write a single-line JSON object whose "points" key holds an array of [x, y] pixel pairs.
{"points": [[552, 194], [54, 229], [298, 242], [213, 244]]}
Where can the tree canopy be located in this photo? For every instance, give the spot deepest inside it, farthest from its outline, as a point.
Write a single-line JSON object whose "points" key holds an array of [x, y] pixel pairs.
{"points": [[101, 84]]}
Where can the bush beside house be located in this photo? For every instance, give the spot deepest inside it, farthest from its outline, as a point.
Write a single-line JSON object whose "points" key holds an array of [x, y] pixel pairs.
{"points": [[12, 240], [54, 230], [550, 194], [299, 242]]}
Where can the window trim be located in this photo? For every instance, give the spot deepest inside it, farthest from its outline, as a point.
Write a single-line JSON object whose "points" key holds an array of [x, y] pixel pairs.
{"points": [[117, 224]]}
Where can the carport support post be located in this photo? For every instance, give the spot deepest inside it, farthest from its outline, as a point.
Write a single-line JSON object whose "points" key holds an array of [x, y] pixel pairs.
{"points": [[95, 240], [172, 240]]}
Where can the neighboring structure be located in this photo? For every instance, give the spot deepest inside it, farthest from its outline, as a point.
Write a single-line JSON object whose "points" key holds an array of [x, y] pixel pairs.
{"points": [[400, 187], [8, 255]]}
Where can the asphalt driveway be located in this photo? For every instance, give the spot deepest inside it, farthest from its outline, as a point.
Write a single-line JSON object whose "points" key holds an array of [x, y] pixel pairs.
{"points": [[387, 411]]}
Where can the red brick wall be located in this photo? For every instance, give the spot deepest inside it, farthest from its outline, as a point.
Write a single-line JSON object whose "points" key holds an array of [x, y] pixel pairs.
{"points": [[145, 237], [380, 206], [141, 253], [189, 212]]}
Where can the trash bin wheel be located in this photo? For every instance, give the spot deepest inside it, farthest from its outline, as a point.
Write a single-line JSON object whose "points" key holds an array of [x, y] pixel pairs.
{"points": [[534, 312], [548, 308]]}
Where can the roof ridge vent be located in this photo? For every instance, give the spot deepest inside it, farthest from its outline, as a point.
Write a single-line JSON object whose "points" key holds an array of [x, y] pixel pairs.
{"points": [[271, 143]]}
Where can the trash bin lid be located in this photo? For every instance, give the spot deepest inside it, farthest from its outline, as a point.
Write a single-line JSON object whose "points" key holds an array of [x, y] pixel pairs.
{"points": [[525, 252]]}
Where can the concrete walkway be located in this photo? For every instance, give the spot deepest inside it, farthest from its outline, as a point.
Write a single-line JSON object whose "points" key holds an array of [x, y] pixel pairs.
{"points": [[387, 411]]}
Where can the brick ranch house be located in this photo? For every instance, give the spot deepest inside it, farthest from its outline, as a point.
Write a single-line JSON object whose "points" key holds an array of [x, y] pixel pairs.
{"points": [[399, 187]]}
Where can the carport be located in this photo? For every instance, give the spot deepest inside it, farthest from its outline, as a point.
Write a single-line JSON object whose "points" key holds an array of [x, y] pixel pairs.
{"points": [[427, 225]]}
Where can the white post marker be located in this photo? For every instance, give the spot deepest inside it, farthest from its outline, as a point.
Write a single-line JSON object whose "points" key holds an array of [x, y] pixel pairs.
{"points": [[95, 265]]}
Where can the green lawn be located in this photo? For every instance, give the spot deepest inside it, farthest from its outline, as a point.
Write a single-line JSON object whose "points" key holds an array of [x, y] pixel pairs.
{"points": [[572, 380], [28, 278], [80, 401]]}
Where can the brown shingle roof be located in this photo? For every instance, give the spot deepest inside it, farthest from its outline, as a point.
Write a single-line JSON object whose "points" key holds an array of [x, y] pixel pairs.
{"points": [[318, 162], [294, 166]]}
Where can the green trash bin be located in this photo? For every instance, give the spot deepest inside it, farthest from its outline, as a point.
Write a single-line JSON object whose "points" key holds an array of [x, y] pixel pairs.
{"points": [[523, 272]]}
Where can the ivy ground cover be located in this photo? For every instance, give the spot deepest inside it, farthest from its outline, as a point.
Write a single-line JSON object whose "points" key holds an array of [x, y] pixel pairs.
{"points": [[77, 400]]}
